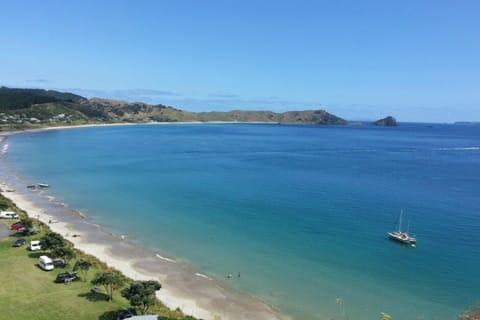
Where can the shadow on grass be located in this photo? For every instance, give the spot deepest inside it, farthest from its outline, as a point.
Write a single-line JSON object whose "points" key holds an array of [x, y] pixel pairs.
{"points": [[94, 296], [15, 235], [36, 254], [109, 315]]}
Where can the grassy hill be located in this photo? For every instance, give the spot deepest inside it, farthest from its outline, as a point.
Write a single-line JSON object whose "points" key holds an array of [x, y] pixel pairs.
{"points": [[19, 106]]}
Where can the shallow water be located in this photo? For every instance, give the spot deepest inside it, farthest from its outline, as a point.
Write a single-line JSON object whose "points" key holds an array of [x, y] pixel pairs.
{"points": [[301, 212]]}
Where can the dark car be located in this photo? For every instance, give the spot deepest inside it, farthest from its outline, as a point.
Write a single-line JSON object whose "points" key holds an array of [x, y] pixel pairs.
{"points": [[59, 262], [127, 313], [20, 242], [66, 277], [26, 232]]}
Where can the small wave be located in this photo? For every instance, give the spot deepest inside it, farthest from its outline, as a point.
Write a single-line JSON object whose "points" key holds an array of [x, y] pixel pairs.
{"points": [[5, 148], [163, 258], [81, 214], [458, 148], [201, 275]]}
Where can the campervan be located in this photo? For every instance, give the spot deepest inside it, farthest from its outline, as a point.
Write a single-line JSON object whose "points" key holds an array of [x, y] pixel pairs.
{"points": [[45, 263], [8, 215], [35, 245]]}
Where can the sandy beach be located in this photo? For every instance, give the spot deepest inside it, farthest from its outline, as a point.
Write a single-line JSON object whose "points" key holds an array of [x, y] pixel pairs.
{"points": [[183, 286]]}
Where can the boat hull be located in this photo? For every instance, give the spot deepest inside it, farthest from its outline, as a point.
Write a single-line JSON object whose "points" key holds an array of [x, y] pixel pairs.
{"points": [[402, 237]]}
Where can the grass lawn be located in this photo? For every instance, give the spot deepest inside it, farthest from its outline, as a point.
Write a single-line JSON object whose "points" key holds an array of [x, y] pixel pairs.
{"points": [[27, 292]]}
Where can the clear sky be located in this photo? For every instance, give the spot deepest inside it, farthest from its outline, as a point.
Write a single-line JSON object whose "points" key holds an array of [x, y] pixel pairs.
{"points": [[416, 60]]}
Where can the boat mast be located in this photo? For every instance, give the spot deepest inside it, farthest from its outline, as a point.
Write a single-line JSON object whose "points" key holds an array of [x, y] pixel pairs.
{"points": [[400, 222]]}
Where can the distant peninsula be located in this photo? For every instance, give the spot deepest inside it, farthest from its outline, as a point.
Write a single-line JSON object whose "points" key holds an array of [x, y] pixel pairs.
{"points": [[387, 122], [32, 107]]}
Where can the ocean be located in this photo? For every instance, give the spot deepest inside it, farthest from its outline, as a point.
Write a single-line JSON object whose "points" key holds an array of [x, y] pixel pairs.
{"points": [[298, 215]]}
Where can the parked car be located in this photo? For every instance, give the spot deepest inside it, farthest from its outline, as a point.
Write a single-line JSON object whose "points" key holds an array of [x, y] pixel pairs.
{"points": [[27, 231], [20, 242], [59, 262], [127, 313], [66, 277], [35, 245], [8, 215], [16, 226], [45, 263]]}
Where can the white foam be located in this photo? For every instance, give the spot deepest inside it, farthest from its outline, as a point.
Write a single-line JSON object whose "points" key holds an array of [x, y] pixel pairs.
{"points": [[468, 148], [458, 148], [201, 275], [163, 258], [5, 148]]}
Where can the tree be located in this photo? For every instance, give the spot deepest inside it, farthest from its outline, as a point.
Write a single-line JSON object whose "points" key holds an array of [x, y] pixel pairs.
{"points": [[51, 241], [472, 314], [82, 265], [66, 253], [111, 281], [4, 203], [27, 222], [142, 293]]}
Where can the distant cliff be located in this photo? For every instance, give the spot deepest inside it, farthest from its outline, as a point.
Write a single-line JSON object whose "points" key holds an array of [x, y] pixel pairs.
{"points": [[43, 105], [124, 111], [388, 122]]}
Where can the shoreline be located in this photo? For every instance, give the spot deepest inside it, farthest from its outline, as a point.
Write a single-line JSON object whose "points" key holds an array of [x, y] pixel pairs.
{"points": [[115, 124], [183, 287]]}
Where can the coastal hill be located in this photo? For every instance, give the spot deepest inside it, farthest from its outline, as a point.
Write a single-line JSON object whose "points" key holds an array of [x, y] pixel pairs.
{"points": [[29, 106]]}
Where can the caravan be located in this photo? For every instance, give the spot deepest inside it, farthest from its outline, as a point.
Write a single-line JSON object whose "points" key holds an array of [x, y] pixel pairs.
{"points": [[8, 215], [45, 263], [35, 245]]}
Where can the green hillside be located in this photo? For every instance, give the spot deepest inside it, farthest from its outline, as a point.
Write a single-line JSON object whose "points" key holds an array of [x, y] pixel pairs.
{"points": [[14, 99], [37, 107]]}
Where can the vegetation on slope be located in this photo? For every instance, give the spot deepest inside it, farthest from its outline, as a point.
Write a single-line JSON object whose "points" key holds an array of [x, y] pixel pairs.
{"points": [[472, 314], [36, 106], [13, 99]]}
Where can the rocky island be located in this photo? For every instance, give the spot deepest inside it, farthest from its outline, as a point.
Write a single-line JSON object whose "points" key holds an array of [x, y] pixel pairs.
{"points": [[387, 122]]}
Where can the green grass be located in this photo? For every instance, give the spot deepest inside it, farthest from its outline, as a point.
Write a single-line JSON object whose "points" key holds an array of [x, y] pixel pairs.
{"points": [[27, 292]]}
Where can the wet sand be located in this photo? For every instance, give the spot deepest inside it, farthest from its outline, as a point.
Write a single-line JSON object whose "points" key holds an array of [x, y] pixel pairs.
{"points": [[183, 286]]}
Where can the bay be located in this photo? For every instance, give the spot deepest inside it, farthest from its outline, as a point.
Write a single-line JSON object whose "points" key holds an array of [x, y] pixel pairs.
{"points": [[300, 212]]}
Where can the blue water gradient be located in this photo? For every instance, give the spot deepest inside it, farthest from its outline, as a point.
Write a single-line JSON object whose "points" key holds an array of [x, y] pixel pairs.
{"points": [[300, 211]]}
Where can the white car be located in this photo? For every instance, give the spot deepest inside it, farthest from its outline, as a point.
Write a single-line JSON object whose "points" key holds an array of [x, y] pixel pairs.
{"points": [[35, 245]]}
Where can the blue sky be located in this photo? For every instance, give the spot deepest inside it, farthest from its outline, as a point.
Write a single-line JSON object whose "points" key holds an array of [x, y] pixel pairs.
{"points": [[415, 60]]}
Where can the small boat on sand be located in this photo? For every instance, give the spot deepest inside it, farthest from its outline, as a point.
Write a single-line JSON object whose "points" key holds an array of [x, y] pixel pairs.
{"points": [[402, 237]]}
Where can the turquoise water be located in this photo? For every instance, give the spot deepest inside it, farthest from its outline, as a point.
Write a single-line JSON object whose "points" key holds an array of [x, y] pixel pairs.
{"points": [[300, 211]]}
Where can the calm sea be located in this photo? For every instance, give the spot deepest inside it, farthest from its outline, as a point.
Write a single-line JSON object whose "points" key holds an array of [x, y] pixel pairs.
{"points": [[301, 212]]}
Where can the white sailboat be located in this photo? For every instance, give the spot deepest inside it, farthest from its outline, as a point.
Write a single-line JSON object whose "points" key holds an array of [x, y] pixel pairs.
{"points": [[402, 237]]}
